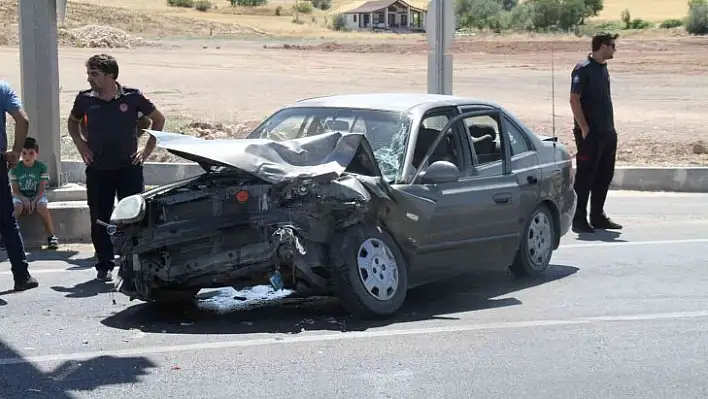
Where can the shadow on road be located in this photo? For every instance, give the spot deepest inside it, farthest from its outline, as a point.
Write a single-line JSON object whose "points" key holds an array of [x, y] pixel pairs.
{"points": [[21, 379], [430, 302], [601, 235], [2, 303], [67, 256], [86, 289]]}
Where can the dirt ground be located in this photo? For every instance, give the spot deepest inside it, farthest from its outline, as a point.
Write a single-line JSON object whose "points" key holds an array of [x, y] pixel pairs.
{"points": [[660, 85]]}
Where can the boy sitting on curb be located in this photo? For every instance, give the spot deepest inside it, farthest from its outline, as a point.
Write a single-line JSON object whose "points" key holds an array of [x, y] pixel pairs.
{"points": [[29, 182]]}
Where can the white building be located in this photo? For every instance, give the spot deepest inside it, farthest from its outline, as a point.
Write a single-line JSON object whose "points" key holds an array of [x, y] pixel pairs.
{"points": [[385, 15]]}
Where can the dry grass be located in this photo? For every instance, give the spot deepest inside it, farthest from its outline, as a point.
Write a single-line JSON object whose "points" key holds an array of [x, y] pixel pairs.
{"points": [[649, 10], [151, 18]]}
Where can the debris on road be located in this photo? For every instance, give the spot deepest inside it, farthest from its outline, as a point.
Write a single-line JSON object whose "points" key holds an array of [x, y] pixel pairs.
{"points": [[97, 36]]}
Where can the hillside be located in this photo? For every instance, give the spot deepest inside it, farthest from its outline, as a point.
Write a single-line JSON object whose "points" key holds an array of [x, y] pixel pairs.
{"points": [[154, 18]]}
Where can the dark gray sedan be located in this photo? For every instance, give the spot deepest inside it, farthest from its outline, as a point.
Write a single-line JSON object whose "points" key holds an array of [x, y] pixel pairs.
{"points": [[361, 196]]}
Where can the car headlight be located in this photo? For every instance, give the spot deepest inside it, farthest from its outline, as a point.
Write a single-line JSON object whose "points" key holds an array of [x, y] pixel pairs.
{"points": [[129, 210]]}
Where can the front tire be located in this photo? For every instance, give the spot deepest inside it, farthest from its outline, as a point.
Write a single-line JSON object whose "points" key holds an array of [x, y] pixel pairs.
{"points": [[536, 249], [370, 273]]}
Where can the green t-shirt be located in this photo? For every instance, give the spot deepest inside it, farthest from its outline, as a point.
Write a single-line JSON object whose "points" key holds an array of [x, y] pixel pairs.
{"points": [[29, 178]]}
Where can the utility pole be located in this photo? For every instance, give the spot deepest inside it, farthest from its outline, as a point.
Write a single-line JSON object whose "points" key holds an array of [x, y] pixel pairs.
{"points": [[39, 62], [440, 29]]}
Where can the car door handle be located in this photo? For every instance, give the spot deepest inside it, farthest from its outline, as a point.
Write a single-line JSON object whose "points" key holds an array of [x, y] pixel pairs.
{"points": [[502, 198], [531, 179]]}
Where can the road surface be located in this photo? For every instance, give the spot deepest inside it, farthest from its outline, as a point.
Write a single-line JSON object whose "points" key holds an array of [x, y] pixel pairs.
{"points": [[618, 316]]}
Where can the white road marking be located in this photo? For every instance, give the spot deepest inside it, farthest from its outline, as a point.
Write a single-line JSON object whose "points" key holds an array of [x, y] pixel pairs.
{"points": [[44, 271], [633, 243], [280, 340]]}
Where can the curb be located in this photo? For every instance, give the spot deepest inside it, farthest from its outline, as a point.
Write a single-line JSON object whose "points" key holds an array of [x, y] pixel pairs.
{"points": [[637, 178], [684, 179]]}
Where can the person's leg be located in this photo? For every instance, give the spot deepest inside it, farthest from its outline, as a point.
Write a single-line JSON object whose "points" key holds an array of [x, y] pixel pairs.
{"points": [[10, 231], [18, 205], [100, 193], [605, 174], [130, 181], [46, 216], [585, 168]]}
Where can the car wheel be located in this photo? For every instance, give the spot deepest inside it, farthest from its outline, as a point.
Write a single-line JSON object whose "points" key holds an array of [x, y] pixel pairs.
{"points": [[536, 249], [370, 278]]}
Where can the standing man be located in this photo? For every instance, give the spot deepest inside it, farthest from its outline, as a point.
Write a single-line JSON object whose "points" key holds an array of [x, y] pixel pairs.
{"points": [[9, 229], [110, 112], [595, 135]]}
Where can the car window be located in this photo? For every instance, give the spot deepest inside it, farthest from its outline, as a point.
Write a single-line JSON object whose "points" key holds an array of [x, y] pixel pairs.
{"points": [[448, 149], [517, 139], [386, 131], [485, 138]]}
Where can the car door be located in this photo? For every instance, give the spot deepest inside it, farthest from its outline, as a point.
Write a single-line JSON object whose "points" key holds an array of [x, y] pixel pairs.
{"points": [[524, 166], [495, 197], [432, 219]]}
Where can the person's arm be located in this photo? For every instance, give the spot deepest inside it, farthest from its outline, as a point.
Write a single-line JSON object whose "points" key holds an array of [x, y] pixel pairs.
{"points": [[577, 87], [13, 105], [158, 123], [15, 185], [73, 125], [43, 180]]}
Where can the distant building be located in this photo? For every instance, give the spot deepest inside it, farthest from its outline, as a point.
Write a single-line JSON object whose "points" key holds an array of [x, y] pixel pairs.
{"points": [[386, 15]]}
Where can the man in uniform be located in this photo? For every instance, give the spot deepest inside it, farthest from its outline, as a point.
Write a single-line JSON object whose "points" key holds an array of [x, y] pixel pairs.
{"points": [[595, 135], [9, 229], [109, 147]]}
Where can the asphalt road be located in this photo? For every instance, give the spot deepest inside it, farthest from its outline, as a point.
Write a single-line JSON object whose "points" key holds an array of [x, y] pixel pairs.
{"points": [[618, 316]]}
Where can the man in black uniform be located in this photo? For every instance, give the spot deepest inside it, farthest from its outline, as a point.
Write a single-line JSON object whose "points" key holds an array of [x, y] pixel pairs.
{"points": [[111, 113], [595, 135]]}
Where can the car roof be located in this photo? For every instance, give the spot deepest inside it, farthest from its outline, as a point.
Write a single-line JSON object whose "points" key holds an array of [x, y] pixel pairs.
{"points": [[398, 102]]}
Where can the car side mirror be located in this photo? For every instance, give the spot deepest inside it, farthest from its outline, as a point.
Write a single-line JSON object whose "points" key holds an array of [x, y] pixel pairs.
{"points": [[439, 172]]}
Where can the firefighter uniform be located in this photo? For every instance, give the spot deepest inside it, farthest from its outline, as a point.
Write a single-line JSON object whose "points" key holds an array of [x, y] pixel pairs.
{"points": [[596, 153]]}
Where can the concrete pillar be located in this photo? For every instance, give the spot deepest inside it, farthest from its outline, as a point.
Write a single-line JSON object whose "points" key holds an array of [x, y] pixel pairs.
{"points": [[39, 61]]}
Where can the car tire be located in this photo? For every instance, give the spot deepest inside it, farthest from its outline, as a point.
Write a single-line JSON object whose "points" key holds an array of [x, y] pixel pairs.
{"points": [[536, 247], [364, 253]]}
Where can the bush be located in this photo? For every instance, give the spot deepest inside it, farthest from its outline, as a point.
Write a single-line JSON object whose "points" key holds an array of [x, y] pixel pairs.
{"points": [[697, 21], [202, 5], [639, 23], [181, 3], [339, 23], [304, 7], [322, 4], [671, 23], [248, 3]]}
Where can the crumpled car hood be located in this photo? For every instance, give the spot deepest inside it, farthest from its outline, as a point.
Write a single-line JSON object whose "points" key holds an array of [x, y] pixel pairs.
{"points": [[272, 161]]}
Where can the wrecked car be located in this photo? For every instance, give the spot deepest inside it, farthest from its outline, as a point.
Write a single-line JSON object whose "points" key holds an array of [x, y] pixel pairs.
{"points": [[360, 196]]}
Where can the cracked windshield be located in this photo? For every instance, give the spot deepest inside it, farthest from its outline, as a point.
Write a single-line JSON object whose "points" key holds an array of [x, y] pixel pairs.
{"points": [[385, 130]]}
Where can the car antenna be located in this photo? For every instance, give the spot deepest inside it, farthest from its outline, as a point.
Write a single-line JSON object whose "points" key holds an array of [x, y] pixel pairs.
{"points": [[553, 94]]}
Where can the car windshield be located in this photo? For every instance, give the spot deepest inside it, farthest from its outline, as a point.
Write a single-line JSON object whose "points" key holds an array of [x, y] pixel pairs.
{"points": [[385, 131]]}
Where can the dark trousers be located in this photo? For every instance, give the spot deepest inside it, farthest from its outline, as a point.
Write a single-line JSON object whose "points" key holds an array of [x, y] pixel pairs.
{"points": [[102, 187], [9, 229], [595, 168]]}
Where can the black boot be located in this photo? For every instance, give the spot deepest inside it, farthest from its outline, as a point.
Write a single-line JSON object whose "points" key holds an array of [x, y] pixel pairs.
{"points": [[25, 283], [604, 223]]}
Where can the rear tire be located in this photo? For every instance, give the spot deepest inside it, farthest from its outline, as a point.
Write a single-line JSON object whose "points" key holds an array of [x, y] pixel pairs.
{"points": [[537, 241], [370, 274]]}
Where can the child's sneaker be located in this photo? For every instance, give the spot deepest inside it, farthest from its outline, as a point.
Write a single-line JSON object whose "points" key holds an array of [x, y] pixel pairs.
{"points": [[52, 242]]}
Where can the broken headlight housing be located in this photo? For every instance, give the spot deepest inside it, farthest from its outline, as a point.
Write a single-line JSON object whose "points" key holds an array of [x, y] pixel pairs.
{"points": [[129, 210]]}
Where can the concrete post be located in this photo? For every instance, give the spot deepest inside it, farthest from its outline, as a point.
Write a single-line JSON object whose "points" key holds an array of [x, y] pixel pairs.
{"points": [[39, 61]]}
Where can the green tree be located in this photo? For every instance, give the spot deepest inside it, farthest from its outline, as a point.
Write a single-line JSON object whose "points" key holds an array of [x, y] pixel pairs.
{"points": [[478, 14], [571, 14], [697, 21]]}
